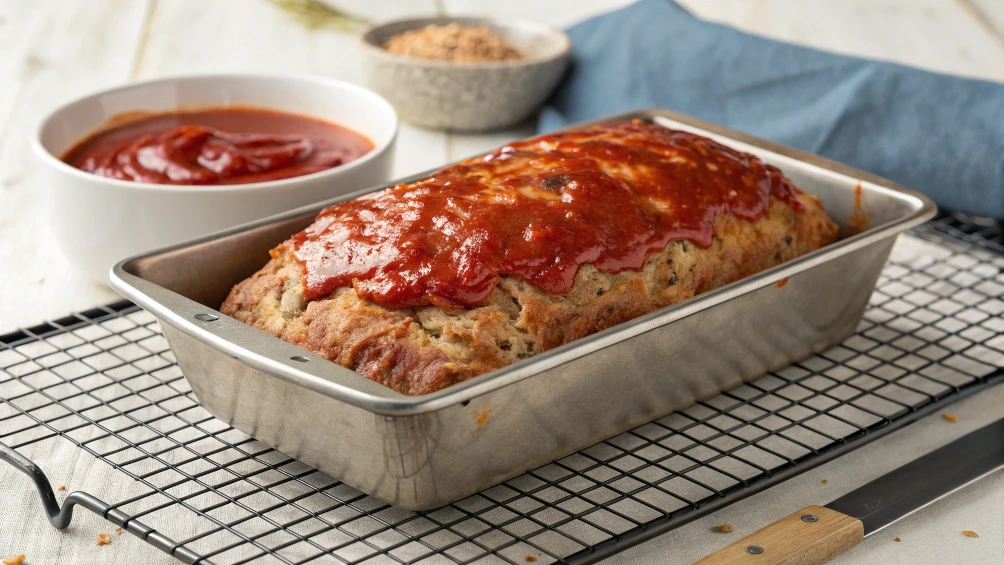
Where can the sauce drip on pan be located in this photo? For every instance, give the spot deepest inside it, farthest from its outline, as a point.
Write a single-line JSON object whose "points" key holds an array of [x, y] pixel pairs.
{"points": [[537, 209]]}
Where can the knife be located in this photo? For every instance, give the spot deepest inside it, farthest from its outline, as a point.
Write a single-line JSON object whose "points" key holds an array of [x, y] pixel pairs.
{"points": [[816, 534]]}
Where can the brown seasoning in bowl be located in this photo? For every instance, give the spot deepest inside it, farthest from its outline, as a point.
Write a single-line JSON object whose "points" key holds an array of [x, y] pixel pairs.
{"points": [[453, 43]]}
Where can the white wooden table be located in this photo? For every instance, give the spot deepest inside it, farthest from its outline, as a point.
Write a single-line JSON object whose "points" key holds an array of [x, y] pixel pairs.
{"points": [[52, 51]]}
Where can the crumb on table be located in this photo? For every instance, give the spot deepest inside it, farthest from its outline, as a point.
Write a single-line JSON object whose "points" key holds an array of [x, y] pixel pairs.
{"points": [[895, 539], [969, 534], [104, 539], [119, 531], [531, 558], [824, 481], [61, 488], [949, 417], [13, 560], [725, 528]]}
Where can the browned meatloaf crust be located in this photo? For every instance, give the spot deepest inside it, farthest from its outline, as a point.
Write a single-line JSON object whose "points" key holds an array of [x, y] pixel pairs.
{"points": [[422, 350]]}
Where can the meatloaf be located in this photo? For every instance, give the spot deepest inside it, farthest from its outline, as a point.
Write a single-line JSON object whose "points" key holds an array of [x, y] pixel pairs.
{"points": [[502, 257]]}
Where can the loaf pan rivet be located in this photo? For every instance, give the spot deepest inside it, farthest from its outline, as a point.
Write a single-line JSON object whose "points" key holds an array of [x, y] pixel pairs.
{"points": [[754, 550], [206, 317], [299, 358]]}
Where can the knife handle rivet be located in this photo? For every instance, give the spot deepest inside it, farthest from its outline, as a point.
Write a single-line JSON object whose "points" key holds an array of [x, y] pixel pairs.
{"points": [[809, 518], [754, 550]]}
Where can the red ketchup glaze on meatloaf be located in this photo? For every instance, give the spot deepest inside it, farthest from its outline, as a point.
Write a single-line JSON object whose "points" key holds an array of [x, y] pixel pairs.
{"points": [[610, 195]]}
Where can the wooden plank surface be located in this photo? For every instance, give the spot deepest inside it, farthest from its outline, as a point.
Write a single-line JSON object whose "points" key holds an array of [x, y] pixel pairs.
{"points": [[50, 54], [931, 34], [988, 12]]}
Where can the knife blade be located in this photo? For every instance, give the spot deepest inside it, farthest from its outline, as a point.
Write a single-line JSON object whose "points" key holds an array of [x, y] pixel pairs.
{"points": [[816, 534]]}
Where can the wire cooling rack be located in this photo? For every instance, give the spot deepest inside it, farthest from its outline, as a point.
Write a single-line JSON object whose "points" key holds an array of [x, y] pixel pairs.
{"points": [[105, 380]]}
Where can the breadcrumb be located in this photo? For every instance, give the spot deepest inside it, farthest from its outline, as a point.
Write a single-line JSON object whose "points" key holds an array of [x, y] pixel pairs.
{"points": [[824, 481], [895, 539], [453, 43], [969, 534], [949, 417], [104, 539], [61, 488], [13, 560], [725, 528], [531, 558], [119, 531]]}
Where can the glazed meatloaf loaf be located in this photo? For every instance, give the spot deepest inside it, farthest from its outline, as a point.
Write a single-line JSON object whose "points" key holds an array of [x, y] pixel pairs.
{"points": [[501, 257]]}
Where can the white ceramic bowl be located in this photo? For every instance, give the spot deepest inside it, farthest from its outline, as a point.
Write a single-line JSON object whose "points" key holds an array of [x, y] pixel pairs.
{"points": [[97, 221]]}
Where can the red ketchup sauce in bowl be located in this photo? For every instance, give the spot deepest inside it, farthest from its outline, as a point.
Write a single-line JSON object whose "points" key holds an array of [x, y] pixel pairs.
{"points": [[232, 145]]}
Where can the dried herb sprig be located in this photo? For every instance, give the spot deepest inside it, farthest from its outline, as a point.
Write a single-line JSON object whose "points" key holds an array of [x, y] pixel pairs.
{"points": [[317, 14]]}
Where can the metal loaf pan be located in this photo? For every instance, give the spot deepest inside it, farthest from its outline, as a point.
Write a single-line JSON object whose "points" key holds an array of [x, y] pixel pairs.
{"points": [[423, 452]]}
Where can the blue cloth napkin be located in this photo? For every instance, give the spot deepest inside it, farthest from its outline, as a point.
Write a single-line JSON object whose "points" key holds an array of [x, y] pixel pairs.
{"points": [[941, 135]]}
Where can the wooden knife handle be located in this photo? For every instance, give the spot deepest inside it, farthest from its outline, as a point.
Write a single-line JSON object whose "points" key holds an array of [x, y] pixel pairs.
{"points": [[807, 537]]}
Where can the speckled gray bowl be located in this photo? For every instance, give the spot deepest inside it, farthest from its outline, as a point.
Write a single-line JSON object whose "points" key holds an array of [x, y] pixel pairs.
{"points": [[468, 96]]}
